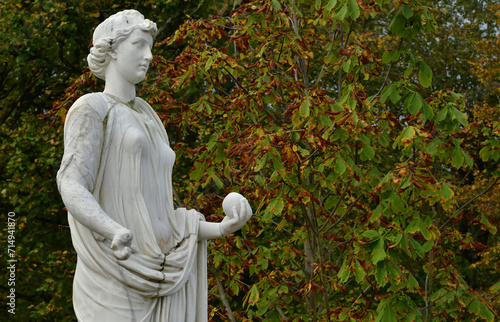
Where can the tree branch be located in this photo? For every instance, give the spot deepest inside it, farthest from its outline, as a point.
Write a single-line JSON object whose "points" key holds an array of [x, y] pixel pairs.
{"points": [[345, 213], [428, 285], [222, 293], [386, 76], [239, 85], [470, 201], [362, 293]]}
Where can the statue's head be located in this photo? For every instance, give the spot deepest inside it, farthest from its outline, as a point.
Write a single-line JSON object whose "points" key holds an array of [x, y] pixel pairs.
{"points": [[110, 33]]}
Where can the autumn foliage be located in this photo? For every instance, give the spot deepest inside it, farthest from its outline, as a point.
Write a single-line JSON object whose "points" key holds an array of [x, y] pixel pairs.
{"points": [[357, 167], [375, 189]]}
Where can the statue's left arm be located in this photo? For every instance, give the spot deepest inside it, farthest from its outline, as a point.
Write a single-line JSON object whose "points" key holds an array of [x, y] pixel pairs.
{"points": [[233, 221]]}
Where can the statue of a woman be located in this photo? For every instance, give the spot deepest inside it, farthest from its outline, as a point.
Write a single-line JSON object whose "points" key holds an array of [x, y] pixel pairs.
{"points": [[139, 259]]}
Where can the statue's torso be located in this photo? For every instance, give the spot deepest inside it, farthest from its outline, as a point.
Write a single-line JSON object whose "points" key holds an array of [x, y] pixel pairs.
{"points": [[138, 171]]}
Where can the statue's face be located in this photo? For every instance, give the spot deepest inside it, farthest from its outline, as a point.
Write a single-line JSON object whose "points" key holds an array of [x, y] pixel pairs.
{"points": [[133, 56]]}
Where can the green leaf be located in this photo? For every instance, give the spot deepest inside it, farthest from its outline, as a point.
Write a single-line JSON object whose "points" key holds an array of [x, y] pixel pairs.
{"points": [[412, 282], [381, 275], [398, 25], [385, 312], [396, 202], [480, 309], [317, 4], [359, 272], [252, 18], [418, 248], [405, 245], [395, 97], [212, 142], [330, 202], [261, 163], [269, 212], [468, 160], [408, 133], [376, 214], [353, 9], [441, 115], [457, 158], [279, 205], [371, 234], [387, 92], [432, 147], [198, 173], [406, 183], [254, 295], [217, 181], [441, 294], [378, 253], [368, 151], [425, 74], [365, 139], [393, 270], [342, 12], [485, 153], [408, 71], [264, 263], [446, 191], [427, 246], [487, 224], [331, 4], [407, 11], [344, 272], [304, 108], [326, 121], [235, 287], [427, 110], [346, 65], [390, 56], [276, 4], [340, 165], [461, 117], [425, 232], [382, 139], [414, 226], [495, 288], [413, 103], [278, 166]]}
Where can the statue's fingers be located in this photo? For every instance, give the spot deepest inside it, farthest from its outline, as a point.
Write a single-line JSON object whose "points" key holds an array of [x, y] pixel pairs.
{"points": [[122, 253], [243, 208], [123, 241], [246, 210], [236, 215]]}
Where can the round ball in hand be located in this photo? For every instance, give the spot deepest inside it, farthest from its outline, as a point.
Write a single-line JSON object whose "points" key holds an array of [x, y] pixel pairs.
{"points": [[232, 200]]}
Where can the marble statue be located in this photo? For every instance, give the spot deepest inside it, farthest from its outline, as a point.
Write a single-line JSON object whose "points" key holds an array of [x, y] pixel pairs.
{"points": [[139, 259]]}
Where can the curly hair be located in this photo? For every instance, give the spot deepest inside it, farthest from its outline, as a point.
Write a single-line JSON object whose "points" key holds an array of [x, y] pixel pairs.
{"points": [[110, 33]]}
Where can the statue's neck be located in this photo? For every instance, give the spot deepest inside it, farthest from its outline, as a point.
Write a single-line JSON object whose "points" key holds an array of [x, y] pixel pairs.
{"points": [[124, 92], [117, 85]]}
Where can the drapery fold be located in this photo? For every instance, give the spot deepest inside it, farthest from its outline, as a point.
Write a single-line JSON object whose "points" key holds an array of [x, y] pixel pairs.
{"points": [[122, 153]]}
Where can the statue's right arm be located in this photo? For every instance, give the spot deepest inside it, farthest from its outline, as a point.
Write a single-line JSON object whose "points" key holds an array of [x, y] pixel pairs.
{"points": [[76, 178], [82, 205]]}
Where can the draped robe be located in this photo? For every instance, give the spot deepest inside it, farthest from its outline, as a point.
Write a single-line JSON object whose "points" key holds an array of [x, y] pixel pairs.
{"points": [[122, 153]]}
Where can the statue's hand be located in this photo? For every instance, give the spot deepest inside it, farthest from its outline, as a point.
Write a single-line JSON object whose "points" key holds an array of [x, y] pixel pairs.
{"points": [[121, 244], [235, 219]]}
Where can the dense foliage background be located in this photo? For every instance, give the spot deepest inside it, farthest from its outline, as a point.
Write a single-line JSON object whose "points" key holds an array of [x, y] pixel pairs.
{"points": [[365, 135]]}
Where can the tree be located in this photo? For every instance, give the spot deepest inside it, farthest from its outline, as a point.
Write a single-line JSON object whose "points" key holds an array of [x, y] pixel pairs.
{"points": [[44, 49], [372, 174], [45, 44], [354, 159]]}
